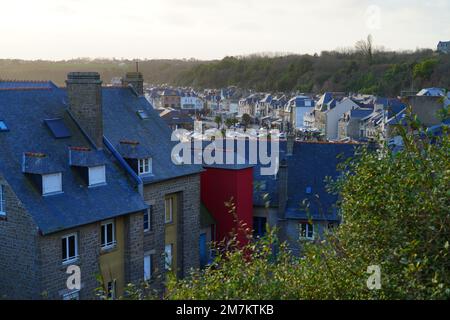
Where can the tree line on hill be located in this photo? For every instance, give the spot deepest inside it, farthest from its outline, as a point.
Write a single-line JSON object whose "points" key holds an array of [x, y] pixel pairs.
{"points": [[363, 69], [381, 73]]}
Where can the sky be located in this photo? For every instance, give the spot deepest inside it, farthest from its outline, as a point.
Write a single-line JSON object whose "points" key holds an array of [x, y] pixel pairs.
{"points": [[213, 29]]}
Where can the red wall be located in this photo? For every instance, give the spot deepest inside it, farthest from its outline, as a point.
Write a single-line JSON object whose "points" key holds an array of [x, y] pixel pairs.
{"points": [[217, 187]]}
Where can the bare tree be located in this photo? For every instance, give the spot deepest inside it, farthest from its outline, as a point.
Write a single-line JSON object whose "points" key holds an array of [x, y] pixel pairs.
{"points": [[365, 47]]}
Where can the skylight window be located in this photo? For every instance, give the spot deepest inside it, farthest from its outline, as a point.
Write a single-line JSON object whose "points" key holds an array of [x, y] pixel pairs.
{"points": [[3, 126], [58, 128], [142, 114]]}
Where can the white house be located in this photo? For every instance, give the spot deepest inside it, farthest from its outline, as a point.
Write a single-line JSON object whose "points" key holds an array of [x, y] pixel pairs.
{"points": [[191, 101], [333, 115], [300, 106]]}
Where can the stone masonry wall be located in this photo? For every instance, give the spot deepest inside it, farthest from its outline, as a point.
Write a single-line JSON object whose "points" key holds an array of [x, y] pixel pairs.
{"points": [[19, 268], [189, 227]]}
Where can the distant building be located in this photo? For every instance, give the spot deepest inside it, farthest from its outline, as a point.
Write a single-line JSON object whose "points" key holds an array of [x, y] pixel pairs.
{"points": [[444, 47]]}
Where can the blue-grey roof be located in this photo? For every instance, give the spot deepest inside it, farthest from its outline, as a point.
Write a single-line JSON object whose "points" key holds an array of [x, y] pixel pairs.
{"points": [[308, 167], [14, 85], [25, 111], [86, 158], [121, 123], [133, 150], [41, 164], [360, 113]]}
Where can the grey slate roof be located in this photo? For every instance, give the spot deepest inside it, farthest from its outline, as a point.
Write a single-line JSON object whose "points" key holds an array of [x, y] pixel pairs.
{"points": [[88, 158], [121, 122], [308, 167], [25, 111]]}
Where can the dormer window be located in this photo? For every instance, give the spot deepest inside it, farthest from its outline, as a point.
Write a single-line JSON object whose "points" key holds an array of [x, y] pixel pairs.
{"points": [[90, 164], [145, 166], [97, 176], [51, 183], [137, 155], [45, 173]]}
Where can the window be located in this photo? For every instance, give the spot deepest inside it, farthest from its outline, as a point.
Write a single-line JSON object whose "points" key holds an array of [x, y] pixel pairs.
{"points": [[142, 114], [260, 185], [58, 128], [97, 175], [2, 200], [145, 166], [148, 267], [108, 236], [148, 219], [111, 289], [73, 295], [69, 248], [168, 256], [259, 227], [3, 126], [307, 231], [169, 210], [51, 183]]}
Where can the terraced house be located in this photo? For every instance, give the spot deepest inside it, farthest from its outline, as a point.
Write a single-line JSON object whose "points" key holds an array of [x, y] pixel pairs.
{"points": [[86, 179]]}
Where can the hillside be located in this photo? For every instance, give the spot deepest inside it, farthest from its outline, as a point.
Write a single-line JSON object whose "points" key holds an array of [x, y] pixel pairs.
{"points": [[155, 71], [387, 73]]}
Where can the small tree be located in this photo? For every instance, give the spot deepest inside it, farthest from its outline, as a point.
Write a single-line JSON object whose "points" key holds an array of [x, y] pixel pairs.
{"points": [[365, 47], [218, 121], [246, 119]]}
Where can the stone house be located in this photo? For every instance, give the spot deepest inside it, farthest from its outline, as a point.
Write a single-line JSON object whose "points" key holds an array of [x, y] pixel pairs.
{"points": [[86, 180]]}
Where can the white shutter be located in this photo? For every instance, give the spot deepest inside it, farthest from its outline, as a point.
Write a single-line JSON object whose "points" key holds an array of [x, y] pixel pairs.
{"points": [[97, 175], [147, 268], [51, 183]]}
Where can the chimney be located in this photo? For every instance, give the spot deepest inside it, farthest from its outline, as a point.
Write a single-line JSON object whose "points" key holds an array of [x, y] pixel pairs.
{"points": [[84, 92], [282, 188], [136, 80], [290, 144]]}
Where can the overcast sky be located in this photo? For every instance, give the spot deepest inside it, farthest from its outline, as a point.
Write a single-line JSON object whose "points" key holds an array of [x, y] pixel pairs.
{"points": [[209, 29]]}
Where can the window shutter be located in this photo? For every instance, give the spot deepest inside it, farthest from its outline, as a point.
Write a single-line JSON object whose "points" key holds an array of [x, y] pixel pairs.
{"points": [[51, 183]]}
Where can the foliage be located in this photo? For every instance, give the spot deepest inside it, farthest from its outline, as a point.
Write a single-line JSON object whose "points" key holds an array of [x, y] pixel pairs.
{"points": [[396, 213], [390, 72], [424, 69], [246, 120]]}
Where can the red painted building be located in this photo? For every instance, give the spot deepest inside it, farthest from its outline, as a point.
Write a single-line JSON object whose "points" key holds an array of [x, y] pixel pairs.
{"points": [[220, 185]]}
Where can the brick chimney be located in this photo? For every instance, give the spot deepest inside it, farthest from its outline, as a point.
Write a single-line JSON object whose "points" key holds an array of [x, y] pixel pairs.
{"points": [[84, 92], [136, 80]]}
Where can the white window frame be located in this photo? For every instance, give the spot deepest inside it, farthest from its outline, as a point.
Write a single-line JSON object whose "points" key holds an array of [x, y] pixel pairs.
{"points": [[74, 258], [100, 179], [168, 256], [54, 190], [113, 243], [145, 166], [148, 213], [2, 200], [73, 295], [307, 231], [170, 201]]}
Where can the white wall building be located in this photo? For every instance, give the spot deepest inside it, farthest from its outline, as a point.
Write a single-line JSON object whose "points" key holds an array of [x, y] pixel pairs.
{"points": [[333, 116]]}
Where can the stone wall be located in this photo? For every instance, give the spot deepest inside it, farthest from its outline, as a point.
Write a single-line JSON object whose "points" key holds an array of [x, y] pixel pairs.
{"points": [[188, 188], [19, 267]]}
